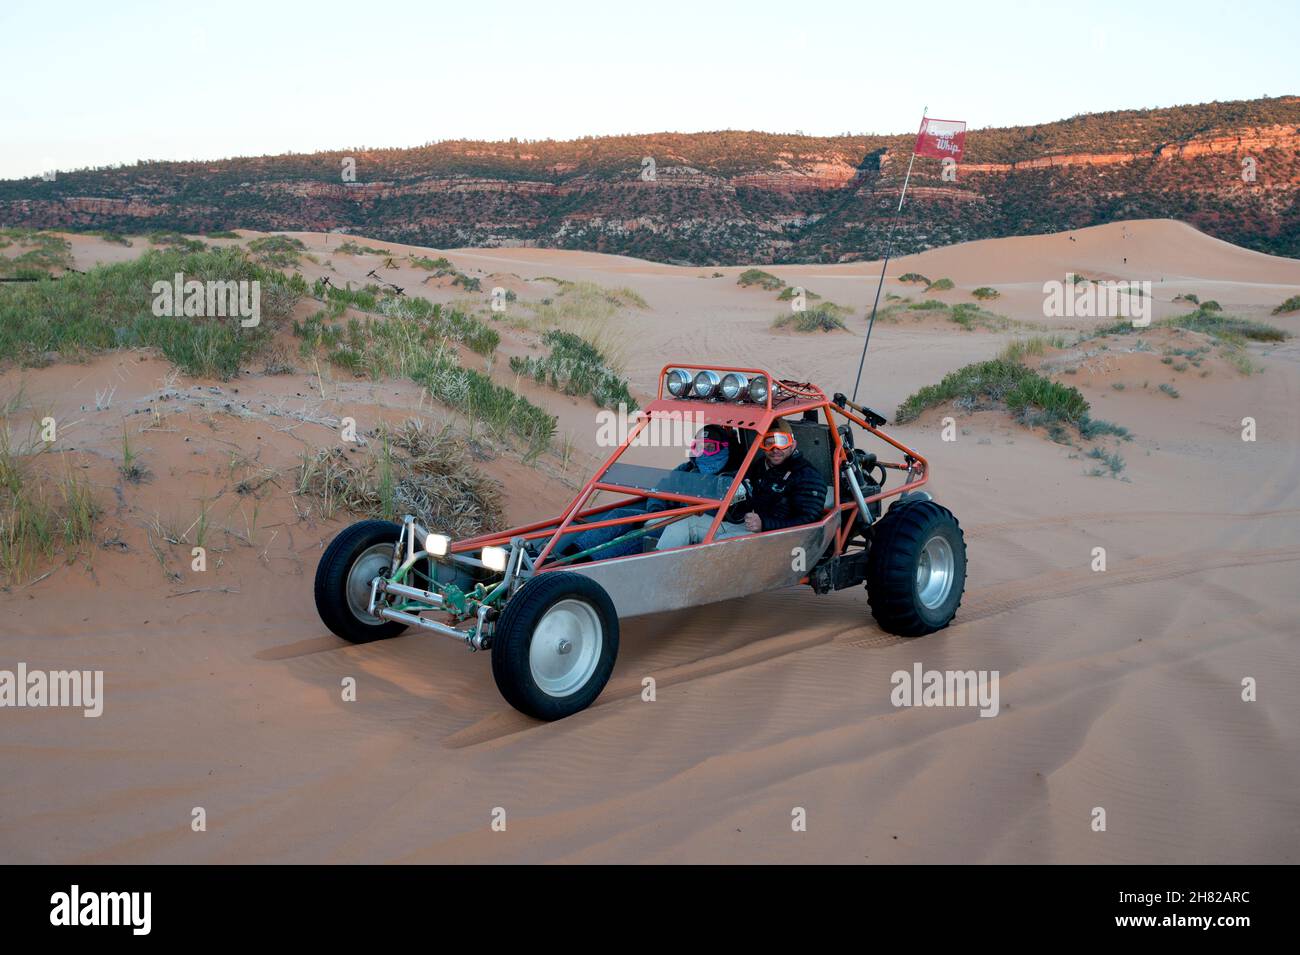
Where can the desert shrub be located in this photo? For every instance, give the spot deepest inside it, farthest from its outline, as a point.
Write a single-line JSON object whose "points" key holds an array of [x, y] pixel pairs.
{"points": [[914, 277], [995, 383], [176, 241], [408, 469], [43, 252], [41, 514], [431, 265], [110, 306], [576, 367], [1111, 463], [279, 251], [764, 280], [826, 317], [351, 248], [1226, 327], [1290, 305], [116, 238], [940, 285]]}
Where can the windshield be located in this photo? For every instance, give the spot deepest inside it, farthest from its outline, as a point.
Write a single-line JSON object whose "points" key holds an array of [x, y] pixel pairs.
{"points": [[657, 469]]}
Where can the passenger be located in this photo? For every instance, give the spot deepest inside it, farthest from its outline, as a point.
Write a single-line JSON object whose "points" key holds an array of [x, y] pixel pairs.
{"points": [[786, 491], [715, 451]]}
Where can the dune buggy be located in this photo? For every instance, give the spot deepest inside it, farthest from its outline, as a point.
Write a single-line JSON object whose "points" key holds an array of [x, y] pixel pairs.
{"points": [[547, 602]]}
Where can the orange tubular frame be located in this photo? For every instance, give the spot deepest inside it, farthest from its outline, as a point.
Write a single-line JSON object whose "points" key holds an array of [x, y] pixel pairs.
{"points": [[733, 414]]}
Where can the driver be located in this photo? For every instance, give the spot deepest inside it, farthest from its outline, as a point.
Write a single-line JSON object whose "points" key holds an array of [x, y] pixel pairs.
{"points": [[787, 490]]}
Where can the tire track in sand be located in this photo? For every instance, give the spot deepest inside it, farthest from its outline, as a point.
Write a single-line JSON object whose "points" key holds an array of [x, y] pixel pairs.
{"points": [[1000, 598], [978, 605]]}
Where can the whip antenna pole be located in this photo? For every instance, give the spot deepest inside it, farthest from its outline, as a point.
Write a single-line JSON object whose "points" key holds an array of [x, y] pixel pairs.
{"points": [[889, 246]]}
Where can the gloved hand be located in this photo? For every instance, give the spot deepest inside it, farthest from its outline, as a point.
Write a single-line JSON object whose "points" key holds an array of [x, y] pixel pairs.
{"points": [[743, 492]]}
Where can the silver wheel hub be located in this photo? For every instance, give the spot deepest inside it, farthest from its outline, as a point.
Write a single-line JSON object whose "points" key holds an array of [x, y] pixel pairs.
{"points": [[934, 572], [373, 562], [566, 648]]}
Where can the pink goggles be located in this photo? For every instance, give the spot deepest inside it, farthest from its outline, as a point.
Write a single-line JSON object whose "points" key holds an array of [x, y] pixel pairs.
{"points": [[706, 447]]}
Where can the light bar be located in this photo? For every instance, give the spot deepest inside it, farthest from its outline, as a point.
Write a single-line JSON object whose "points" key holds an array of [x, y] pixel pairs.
{"points": [[709, 384]]}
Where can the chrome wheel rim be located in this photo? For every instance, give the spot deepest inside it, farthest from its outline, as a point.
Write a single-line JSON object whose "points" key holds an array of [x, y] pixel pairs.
{"points": [[566, 647], [934, 572], [373, 562]]}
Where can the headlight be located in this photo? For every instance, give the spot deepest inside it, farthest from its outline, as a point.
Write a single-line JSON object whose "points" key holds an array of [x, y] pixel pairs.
{"points": [[758, 390], [734, 386], [678, 383], [494, 558], [436, 544], [706, 383]]}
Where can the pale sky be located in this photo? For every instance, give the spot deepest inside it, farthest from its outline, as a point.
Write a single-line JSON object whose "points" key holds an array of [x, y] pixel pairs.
{"points": [[88, 84]]}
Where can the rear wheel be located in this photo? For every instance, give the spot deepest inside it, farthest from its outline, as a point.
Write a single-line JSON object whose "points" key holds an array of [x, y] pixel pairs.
{"points": [[353, 559], [554, 645], [916, 569]]}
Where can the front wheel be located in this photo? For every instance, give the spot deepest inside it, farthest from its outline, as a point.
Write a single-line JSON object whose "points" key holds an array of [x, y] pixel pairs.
{"points": [[916, 569], [554, 645], [354, 558]]}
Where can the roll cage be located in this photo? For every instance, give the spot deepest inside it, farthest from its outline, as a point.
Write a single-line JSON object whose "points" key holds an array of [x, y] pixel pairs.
{"points": [[785, 399]]}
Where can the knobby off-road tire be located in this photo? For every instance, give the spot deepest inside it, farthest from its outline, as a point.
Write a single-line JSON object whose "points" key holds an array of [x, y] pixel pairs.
{"points": [[354, 558], [555, 644], [916, 569]]}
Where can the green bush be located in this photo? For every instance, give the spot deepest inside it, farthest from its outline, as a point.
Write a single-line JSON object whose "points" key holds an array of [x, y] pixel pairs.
{"points": [[1290, 305], [576, 367], [826, 317], [765, 280], [280, 251], [1226, 327], [999, 382], [110, 306], [177, 241]]}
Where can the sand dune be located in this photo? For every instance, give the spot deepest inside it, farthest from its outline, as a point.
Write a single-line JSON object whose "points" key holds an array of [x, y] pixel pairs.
{"points": [[1120, 689]]}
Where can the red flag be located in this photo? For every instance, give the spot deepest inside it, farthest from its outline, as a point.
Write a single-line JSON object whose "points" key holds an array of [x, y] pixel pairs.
{"points": [[941, 138]]}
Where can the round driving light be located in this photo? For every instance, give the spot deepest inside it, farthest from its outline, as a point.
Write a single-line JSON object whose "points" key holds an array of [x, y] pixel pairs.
{"points": [[758, 390], [706, 383], [734, 386], [436, 544], [494, 558], [678, 383]]}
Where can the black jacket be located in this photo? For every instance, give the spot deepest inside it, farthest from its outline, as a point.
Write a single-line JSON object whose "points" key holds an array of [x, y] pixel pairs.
{"points": [[787, 495]]}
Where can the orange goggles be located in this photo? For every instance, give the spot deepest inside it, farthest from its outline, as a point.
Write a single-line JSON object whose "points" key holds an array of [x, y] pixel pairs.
{"points": [[776, 441]]}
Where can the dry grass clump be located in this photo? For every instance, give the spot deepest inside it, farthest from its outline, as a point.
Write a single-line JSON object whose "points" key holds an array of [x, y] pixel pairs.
{"points": [[40, 515], [409, 469]]}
